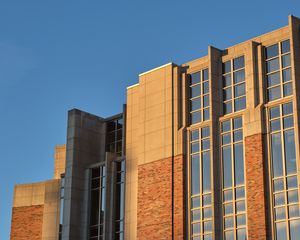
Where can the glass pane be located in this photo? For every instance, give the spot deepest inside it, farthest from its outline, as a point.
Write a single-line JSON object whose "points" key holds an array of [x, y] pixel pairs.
{"points": [[287, 89], [196, 215], [241, 234], [274, 93], [205, 87], [239, 76], [227, 195], [278, 185], [286, 75], [195, 91], [205, 144], [206, 101], [294, 211], [196, 228], [195, 78], [195, 174], [228, 208], [226, 67], [207, 237], [228, 222], [237, 123], [195, 202], [273, 79], [272, 51], [292, 182], [207, 226], [238, 135], [229, 235], [207, 212], [274, 112], [239, 163], [195, 117], [275, 125], [290, 155], [272, 65], [206, 172], [240, 104], [226, 126], [241, 220], [227, 107], [205, 74], [288, 122], [287, 108], [281, 231], [285, 46], [194, 135], [295, 229], [280, 213], [238, 63], [195, 147], [239, 90], [286, 60], [226, 138], [227, 94], [293, 196], [227, 167], [205, 114], [207, 199], [239, 193], [227, 80], [205, 132], [279, 199], [195, 104], [276, 155], [240, 206]]}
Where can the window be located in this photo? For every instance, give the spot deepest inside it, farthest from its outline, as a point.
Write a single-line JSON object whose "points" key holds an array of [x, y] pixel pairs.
{"points": [[199, 96], [61, 210], [200, 185], [119, 200], [97, 203], [284, 181], [234, 86], [278, 70], [234, 196], [114, 137]]}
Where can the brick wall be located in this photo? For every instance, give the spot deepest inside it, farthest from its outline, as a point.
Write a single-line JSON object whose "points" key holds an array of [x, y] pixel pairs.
{"points": [[27, 223], [156, 205], [255, 184]]}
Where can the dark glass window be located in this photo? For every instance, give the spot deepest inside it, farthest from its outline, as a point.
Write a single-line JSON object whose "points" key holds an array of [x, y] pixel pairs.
{"points": [[200, 184], [199, 96], [284, 171], [114, 136], [278, 71], [234, 203], [234, 92]]}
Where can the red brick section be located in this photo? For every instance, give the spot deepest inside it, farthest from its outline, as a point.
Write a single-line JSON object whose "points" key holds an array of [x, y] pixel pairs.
{"points": [[27, 223], [255, 184], [154, 220]]}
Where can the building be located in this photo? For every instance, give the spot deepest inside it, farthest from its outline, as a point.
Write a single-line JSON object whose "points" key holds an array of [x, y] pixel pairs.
{"points": [[204, 150]]}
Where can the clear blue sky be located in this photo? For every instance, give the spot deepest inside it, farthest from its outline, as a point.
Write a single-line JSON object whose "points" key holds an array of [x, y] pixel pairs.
{"points": [[63, 54]]}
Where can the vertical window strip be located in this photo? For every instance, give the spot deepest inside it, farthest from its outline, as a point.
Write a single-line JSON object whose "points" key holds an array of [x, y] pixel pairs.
{"points": [[119, 200], [234, 86], [97, 203], [234, 197], [114, 136], [199, 96], [61, 210], [284, 180], [200, 185], [278, 70]]}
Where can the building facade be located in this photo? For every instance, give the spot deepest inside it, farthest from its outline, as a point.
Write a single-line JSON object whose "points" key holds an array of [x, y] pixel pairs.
{"points": [[204, 150]]}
